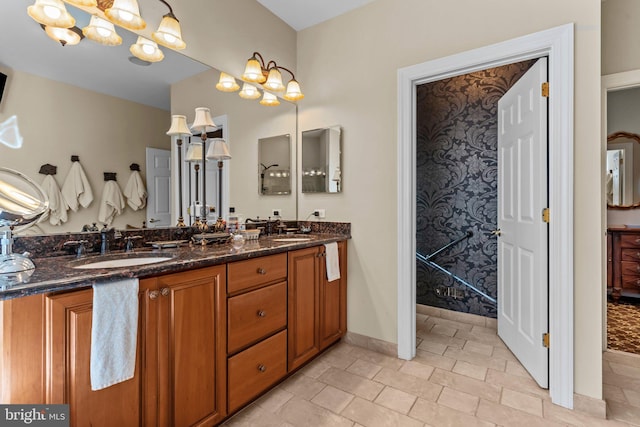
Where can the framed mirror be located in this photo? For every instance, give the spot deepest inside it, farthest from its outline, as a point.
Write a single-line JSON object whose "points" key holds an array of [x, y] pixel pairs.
{"points": [[322, 160], [623, 170], [274, 165]]}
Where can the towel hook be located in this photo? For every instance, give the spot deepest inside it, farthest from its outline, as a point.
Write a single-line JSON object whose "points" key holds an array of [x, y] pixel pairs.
{"points": [[109, 176], [75, 158], [134, 167], [48, 169]]}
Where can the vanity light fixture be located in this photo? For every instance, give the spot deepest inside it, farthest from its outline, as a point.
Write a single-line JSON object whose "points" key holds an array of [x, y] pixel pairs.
{"points": [[249, 92], [126, 13], [179, 129], [194, 155], [169, 33], [203, 123], [64, 36], [51, 13], [102, 31], [219, 151], [83, 3], [227, 83], [147, 50]]}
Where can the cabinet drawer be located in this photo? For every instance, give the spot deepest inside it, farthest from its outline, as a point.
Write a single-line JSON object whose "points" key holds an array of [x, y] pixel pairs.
{"points": [[256, 314], [631, 255], [630, 240], [257, 368], [255, 272], [630, 268], [631, 282]]}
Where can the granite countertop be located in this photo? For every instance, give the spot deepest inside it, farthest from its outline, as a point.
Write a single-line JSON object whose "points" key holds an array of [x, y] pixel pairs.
{"points": [[53, 273]]}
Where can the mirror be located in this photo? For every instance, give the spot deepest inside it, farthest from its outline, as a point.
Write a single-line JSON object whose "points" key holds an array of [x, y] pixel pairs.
{"points": [[274, 167], [321, 160], [623, 170]]}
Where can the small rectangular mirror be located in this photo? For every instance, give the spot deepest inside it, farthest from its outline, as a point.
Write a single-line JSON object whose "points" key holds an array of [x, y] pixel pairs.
{"points": [[321, 160], [274, 165]]}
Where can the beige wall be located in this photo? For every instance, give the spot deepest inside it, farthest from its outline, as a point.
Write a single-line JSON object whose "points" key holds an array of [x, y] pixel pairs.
{"points": [[620, 36], [348, 68], [58, 120]]}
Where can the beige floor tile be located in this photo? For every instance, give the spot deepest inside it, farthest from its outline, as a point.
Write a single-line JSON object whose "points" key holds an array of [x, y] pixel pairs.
{"points": [[565, 416], [253, 416], [476, 347], [514, 382], [481, 337], [274, 400], [409, 384], [377, 358], [303, 386], [303, 413], [621, 357], [420, 318], [633, 397], [442, 416], [434, 360], [333, 399], [484, 390], [433, 347], [476, 359], [459, 400], [515, 368], [352, 383], [470, 370], [522, 401], [503, 415], [503, 353], [339, 360], [490, 323], [484, 331], [397, 400], [626, 370], [625, 413], [611, 392], [466, 318], [621, 381], [417, 369], [315, 369], [441, 339], [444, 330], [454, 324], [364, 368], [371, 415]]}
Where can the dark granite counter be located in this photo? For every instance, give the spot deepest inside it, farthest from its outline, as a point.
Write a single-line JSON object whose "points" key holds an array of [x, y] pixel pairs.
{"points": [[54, 274]]}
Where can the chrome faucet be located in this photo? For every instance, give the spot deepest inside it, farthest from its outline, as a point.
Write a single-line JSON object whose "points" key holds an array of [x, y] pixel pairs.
{"points": [[104, 241], [79, 245], [129, 245]]}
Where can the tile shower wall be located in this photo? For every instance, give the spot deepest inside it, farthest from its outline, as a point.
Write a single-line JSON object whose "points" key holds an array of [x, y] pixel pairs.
{"points": [[457, 184]]}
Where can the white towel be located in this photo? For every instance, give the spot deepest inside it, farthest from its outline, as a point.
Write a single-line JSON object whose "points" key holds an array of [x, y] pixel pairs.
{"points": [[112, 202], [57, 212], [114, 332], [332, 261], [76, 188], [135, 191]]}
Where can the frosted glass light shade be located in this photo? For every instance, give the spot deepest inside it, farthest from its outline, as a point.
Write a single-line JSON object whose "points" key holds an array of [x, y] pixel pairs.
{"points": [[274, 81], [293, 92], [270, 100], [203, 121], [218, 150], [194, 152], [178, 126], [249, 92], [102, 31], [253, 72], [52, 13], [64, 36], [227, 83], [146, 50], [85, 3], [126, 13], [169, 33]]}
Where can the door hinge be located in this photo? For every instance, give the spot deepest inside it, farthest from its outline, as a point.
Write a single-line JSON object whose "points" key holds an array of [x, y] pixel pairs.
{"points": [[545, 89], [545, 340], [545, 215]]}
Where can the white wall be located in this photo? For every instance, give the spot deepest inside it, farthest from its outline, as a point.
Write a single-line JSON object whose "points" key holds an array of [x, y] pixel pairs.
{"points": [[620, 36]]}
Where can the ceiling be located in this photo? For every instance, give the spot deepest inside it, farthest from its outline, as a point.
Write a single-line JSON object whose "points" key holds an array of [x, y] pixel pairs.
{"points": [[301, 14]]}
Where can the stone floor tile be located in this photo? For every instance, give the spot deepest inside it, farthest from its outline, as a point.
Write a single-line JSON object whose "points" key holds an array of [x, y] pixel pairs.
{"points": [[466, 318], [514, 382], [443, 330], [442, 416], [470, 370], [377, 358], [458, 400], [485, 338], [484, 390], [433, 347], [417, 369], [453, 324], [352, 383], [303, 386], [633, 397], [434, 360], [490, 323], [409, 384], [612, 392], [395, 399], [420, 318], [333, 399], [504, 415], [504, 353], [625, 413], [364, 368], [626, 370], [339, 360], [253, 416], [441, 339], [274, 400], [476, 347], [622, 358], [565, 416], [303, 413], [515, 368], [315, 369], [621, 381], [521, 401], [371, 415], [476, 359]]}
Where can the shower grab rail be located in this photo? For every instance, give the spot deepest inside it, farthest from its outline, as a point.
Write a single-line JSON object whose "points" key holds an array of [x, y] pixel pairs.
{"points": [[426, 260]]}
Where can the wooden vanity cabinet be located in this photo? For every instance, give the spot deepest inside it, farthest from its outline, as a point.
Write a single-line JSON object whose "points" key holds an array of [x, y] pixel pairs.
{"points": [[623, 262]]}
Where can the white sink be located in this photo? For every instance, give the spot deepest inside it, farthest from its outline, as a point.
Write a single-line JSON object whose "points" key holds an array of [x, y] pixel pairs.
{"points": [[122, 260], [292, 239]]}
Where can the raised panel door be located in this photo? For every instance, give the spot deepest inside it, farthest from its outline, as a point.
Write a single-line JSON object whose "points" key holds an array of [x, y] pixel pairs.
{"points": [[333, 302]]}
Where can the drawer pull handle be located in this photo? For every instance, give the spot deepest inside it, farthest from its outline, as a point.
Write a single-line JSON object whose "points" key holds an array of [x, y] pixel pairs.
{"points": [[262, 313], [153, 294], [262, 271], [164, 292], [262, 368]]}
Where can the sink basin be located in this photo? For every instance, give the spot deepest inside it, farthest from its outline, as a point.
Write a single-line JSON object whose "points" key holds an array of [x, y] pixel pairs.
{"points": [[292, 239], [121, 260]]}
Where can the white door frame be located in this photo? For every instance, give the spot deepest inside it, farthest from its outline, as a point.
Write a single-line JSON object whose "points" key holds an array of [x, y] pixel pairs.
{"points": [[557, 44]]}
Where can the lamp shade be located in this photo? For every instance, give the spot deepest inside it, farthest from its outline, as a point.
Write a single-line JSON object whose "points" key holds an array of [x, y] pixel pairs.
{"points": [[64, 36], [169, 33], [274, 81], [52, 13], [227, 83], [85, 3], [203, 121], [293, 92], [194, 152], [218, 150], [270, 100], [146, 50], [249, 92], [178, 126], [253, 71], [126, 13], [102, 31]]}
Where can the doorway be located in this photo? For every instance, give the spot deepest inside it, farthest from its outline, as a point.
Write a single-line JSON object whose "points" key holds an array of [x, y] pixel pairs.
{"points": [[557, 44]]}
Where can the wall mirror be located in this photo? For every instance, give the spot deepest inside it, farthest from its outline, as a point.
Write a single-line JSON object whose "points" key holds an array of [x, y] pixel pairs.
{"points": [[274, 165], [321, 160], [623, 170]]}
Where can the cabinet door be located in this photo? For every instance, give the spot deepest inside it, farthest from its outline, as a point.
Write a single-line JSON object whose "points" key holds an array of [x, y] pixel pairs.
{"points": [[192, 347], [333, 302], [303, 307], [68, 367]]}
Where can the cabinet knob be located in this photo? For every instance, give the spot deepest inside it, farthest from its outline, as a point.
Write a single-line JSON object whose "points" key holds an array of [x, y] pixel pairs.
{"points": [[153, 294], [262, 271], [262, 368], [638, 241], [638, 282], [638, 268], [262, 313], [165, 291]]}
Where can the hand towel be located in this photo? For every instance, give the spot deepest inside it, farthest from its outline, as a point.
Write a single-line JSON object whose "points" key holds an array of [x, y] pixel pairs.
{"points": [[76, 188], [135, 191], [112, 202], [332, 261], [114, 332], [57, 208]]}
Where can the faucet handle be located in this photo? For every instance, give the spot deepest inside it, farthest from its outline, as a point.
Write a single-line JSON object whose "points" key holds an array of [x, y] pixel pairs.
{"points": [[79, 244], [130, 239]]}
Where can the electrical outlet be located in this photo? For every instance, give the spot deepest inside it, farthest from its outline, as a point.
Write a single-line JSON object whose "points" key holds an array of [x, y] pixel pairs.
{"points": [[319, 213], [276, 212]]}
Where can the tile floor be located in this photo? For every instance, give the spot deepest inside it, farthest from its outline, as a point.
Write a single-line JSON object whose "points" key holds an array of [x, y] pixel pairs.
{"points": [[463, 375], [621, 388]]}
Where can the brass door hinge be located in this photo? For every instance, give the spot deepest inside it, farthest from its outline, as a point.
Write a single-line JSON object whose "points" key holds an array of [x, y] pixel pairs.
{"points": [[545, 89], [545, 340], [545, 215]]}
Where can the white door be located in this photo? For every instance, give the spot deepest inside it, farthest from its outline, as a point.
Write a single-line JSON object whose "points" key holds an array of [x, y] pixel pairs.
{"points": [[158, 187], [522, 242]]}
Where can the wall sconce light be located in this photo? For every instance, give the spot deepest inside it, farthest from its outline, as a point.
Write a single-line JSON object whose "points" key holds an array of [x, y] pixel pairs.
{"points": [[169, 33], [146, 50], [227, 83], [51, 13], [179, 128], [249, 92], [269, 100], [102, 31]]}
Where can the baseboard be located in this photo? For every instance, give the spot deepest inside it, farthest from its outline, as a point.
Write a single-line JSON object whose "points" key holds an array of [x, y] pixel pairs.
{"points": [[591, 406], [458, 316]]}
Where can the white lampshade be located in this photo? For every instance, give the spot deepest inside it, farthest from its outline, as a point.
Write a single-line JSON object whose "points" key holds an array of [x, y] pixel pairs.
{"points": [[227, 83], [274, 81], [218, 150], [169, 33], [126, 13], [52, 13], [194, 152], [102, 31], [203, 121], [293, 91], [64, 36], [146, 50], [253, 71], [178, 126], [249, 92], [269, 99]]}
